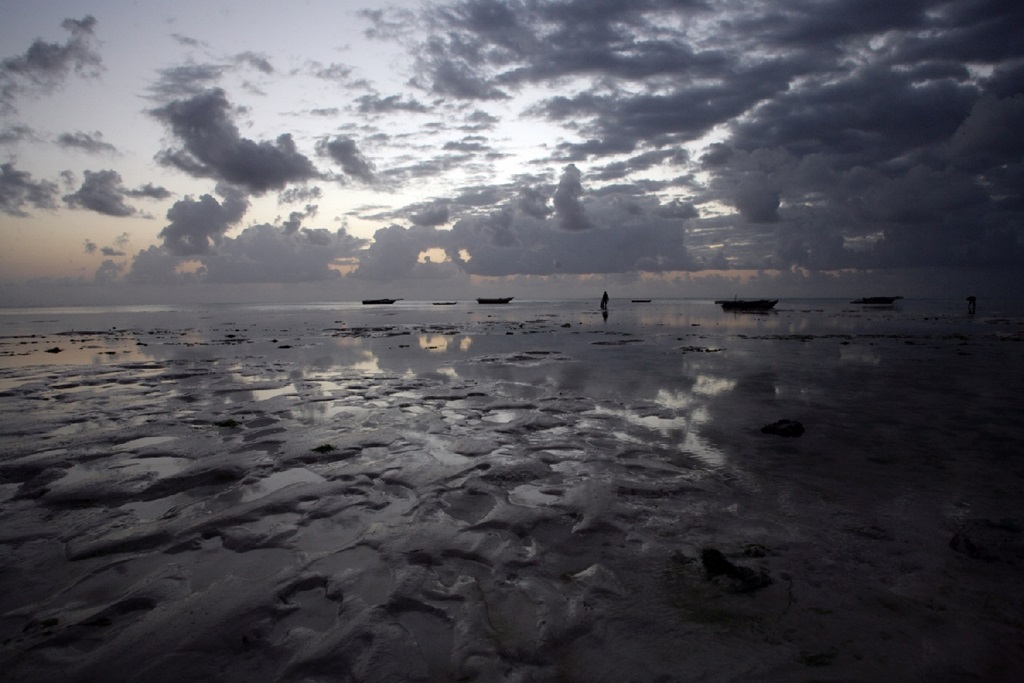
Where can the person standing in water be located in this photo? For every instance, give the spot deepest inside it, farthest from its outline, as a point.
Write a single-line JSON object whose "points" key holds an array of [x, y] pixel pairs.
{"points": [[604, 302], [972, 302]]}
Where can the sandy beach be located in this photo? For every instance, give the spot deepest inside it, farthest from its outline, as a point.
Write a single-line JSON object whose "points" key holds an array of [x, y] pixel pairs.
{"points": [[523, 492]]}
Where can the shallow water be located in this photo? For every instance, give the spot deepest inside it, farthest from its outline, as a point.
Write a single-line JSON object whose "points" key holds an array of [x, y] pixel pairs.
{"points": [[511, 492]]}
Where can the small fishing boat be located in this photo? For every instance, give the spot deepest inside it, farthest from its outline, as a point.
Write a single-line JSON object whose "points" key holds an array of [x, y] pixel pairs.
{"points": [[495, 300], [877, 300], [641, 301], [747, 304], [368, 302], [444, 303]]}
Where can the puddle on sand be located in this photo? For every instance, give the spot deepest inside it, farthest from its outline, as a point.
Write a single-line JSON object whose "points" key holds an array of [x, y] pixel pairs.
{"points": [[277, 481], [148, 510], [267, 394], [163, 466], [143, 442], [531, 496], [502, 416], [328, 409], [74, 428]]}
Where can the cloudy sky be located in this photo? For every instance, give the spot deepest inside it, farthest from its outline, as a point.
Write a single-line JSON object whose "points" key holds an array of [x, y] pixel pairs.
{"points": [[547, 147]]}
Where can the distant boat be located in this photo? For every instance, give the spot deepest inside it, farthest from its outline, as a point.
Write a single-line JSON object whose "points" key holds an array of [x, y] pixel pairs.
{"points": [[368, 302], [747, 304], [497, 300], [444, 303], [877, 300], [641, 301]]}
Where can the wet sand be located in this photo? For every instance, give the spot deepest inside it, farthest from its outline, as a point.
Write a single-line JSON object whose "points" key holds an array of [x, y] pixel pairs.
{"points": [[511, 493]]}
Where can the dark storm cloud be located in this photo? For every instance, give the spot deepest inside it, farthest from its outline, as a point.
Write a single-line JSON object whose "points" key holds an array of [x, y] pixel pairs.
{"points": [[255, 60], [187, 80], [829, 23], [640, 162], [871, 115], [267, 253], [196, 225], [395, 251], [990, 136], [149, 191], [677, 209], [470, 143], [450, 68], [388, 24], [375, 104], [479, 120], [533, 202], [479, 196], [157, 265], [568, 207], [344, 151], [630, 236], [441, 210], [524, 236], [213, 147], [620, 123], [86, 142], [45, 66], [109, 271], [102, 192], [186, 40], [524, 42], [295, 218], [11, 135], [19, 190], [431, 215], [865, 91], [260, 253], [296, 195], [339, 73], [969, 30], [757, 200]]}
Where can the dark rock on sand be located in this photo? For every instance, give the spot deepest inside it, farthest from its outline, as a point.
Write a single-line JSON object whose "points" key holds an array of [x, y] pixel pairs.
{"points": [[738, 579], [784, 428], [715, 563]]}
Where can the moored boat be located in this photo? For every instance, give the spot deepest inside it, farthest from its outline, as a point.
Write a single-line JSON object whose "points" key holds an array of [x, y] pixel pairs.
{"points": [[368, 302], [444, 303], [877, 300], [495, 300], [747, 304]]}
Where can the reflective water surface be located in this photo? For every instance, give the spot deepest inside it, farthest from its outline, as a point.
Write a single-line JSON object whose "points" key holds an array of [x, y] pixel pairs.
{"points": [[527, 486]]}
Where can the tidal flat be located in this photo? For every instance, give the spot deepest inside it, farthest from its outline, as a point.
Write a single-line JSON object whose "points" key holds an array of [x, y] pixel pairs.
{"points": [[524, 492]]}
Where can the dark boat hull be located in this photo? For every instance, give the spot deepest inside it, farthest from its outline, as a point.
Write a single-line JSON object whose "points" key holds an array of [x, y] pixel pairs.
{"points": [[500, 300], [368, 302], [747, 304], [877, 300]]}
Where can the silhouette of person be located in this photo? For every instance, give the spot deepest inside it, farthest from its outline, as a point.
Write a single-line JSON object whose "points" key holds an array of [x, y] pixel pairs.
{"points": [[971, 303], [604, 302]]}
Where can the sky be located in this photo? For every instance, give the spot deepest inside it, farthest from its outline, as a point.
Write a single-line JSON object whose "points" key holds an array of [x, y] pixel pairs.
{"points": [[342, 149]]}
